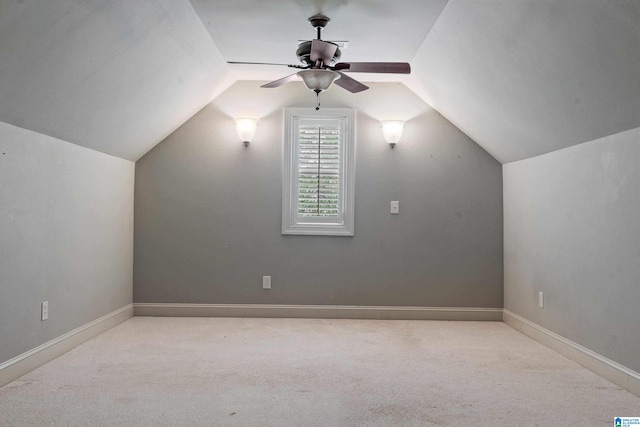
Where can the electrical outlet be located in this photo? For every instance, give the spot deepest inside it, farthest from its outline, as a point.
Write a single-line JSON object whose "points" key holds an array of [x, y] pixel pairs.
{"points": [[266, 282], [44, 310], [541, 299]]}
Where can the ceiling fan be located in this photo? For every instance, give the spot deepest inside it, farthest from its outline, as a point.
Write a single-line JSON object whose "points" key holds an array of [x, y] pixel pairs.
{"points": [[320, 67]]}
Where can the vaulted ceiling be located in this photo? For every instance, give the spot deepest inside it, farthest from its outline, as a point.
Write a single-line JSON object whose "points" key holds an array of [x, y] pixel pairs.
{"points": [[521, 78]]}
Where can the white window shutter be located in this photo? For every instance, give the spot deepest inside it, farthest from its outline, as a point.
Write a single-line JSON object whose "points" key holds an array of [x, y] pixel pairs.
{"points": [[319, 170]]}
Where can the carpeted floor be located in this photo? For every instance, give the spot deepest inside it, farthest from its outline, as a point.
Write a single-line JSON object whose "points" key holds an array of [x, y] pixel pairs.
{"points": [[304, 372]]}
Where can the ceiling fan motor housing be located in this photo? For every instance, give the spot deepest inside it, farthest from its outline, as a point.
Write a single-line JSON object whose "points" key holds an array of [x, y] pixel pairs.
{"points": [[304, 53]]}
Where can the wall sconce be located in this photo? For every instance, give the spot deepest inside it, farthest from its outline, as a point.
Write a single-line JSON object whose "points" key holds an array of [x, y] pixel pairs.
{"points": [[246, 129], [392, 130]]}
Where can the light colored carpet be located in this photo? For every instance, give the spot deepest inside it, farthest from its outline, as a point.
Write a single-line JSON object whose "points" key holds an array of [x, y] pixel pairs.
{"points": [[303, 372]]}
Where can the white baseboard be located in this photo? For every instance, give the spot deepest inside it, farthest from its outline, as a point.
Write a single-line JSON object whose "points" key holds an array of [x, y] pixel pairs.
{"points": [[20, 365], [317, 311], [606, 368], [600, 365]]}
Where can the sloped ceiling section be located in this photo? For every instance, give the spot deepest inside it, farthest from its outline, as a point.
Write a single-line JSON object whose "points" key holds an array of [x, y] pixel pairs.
{"points": [[114, 76], [527, 77]]}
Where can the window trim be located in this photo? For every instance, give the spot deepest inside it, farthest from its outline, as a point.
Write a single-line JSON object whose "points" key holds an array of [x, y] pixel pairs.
{"points": [[290, 222]]}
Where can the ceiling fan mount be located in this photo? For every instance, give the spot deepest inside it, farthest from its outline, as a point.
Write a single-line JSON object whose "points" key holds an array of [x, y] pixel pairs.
{"points": [[320, 67], [319, 21]]}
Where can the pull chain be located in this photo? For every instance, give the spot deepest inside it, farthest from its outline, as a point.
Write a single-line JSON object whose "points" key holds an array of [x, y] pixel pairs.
{"points": [[318, 98]]}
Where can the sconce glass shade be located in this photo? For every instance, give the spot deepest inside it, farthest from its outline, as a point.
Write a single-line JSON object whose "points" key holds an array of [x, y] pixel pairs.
{"points": [[392, 130], [318, 80], [246, 129]]}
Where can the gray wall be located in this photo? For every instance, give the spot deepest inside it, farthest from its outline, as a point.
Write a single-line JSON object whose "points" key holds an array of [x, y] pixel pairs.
{"points": [[66, 236], [571, 225], [208, 211]]}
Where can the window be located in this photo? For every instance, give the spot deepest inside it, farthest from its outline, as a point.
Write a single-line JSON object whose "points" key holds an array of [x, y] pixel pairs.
{"points": [[319, 170]]}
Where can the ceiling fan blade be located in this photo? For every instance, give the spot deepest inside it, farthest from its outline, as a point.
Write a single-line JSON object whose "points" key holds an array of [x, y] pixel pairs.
{"points": [[374, 67], [322, 50], [282, 81], [350, 84], [264, 63]]}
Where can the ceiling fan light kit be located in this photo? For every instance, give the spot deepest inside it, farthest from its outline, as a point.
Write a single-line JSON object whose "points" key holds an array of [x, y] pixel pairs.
{"points": [[320, 66], [318, 80]]}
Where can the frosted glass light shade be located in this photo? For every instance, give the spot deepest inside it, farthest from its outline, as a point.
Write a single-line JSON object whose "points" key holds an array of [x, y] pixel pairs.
{"points": [[392, 131], [246, 128], [318, 80]]}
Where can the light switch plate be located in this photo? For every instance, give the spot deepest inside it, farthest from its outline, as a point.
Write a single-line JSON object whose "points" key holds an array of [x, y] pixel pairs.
{"points": [[541, 299], [266, 282], [395, 207]]}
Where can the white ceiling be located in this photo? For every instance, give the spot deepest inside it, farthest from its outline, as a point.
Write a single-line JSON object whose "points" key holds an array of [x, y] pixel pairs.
{"points": [[521, 78], [377, 30]]}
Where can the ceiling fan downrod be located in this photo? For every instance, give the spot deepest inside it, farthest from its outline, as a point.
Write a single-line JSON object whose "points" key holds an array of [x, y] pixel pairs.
{"points": [[319, 22]]}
